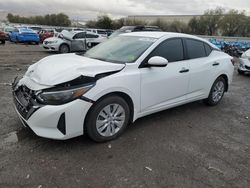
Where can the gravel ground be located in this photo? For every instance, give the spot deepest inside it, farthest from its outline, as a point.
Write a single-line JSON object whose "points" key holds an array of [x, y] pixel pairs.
{"points": [[188, 146]]}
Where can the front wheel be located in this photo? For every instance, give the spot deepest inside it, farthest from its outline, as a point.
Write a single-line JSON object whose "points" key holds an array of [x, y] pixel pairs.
{"points": [[217, 92], [107, 119], [64, 48]]}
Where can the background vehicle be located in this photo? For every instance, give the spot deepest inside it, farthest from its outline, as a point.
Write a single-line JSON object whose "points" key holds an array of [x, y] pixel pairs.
{"points": [[244, 66], [128, 29], [46, 33], [7, 30], [119, 81], [3, 37], [72, 41], [35, 28], [24, 35], [101, 32]]}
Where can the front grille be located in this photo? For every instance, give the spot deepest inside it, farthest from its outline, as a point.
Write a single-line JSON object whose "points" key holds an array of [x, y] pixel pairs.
{"points": [[247, 67], [25, 102]]}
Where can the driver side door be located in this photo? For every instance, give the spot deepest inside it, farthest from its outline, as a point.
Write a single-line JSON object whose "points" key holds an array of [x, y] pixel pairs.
{"points": [[164, 87]]}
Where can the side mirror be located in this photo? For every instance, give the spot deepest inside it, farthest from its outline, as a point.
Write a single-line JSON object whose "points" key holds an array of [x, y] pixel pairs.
{"points": [[157, 61]]}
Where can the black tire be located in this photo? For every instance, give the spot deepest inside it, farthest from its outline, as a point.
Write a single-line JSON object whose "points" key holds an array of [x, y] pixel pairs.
{"points": [[90, 123], [63, 49], [240, 72], [210, 101], [3, 41], [37, 43]]}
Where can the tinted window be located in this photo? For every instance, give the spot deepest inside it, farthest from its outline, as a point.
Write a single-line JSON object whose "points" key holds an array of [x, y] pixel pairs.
{"points": [[101, 32], [91, 36], [195, 49], [208, 49], [79, 35], [172, 50]]}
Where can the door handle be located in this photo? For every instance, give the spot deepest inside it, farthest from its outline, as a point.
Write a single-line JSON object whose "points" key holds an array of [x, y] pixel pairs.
{"points": [[216, 64], [183, 70]]}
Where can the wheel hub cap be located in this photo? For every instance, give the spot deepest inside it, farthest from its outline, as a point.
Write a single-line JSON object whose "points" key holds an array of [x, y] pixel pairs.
{"points": [[110, 120], [218, 91]]}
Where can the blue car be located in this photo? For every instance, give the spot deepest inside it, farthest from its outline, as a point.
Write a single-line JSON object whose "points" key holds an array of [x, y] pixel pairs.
{"points": [[24, 35]]}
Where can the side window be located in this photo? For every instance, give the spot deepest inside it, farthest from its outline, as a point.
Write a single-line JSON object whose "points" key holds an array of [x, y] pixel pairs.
{"points": [[208, 49], [79, 36], [91, 36], [171, 49], [195, 49]]}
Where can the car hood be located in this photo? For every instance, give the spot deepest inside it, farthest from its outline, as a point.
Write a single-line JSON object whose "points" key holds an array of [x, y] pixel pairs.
{"points": [[58, 69]]}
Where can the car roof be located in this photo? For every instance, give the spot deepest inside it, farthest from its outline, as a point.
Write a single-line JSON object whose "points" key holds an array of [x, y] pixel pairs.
{"points": [[158, 35]]}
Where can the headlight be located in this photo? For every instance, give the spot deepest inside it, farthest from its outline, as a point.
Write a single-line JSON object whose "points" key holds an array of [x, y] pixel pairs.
{"points": [[62, 96]]}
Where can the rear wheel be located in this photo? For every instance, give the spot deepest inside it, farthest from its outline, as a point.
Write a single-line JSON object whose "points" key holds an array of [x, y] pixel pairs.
{"points": [[64, 48], [217, 92], [107, 119]]}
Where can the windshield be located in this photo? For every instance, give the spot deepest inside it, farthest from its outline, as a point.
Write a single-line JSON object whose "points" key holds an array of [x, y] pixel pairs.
{"points": [[121, 49]]}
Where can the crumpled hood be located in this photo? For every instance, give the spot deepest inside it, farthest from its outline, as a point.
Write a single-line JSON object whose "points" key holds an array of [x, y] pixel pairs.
{"points": [[58, 69]]}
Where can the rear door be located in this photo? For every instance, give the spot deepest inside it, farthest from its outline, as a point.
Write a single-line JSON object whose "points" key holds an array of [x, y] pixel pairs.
{"points": [[202, 67]]}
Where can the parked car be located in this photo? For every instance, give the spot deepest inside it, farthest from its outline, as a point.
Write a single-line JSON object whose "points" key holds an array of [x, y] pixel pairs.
{"points": [[244, 66], [101, 32], [118, 81], [24, 35], [46, 33], [3, 37], [72, 41], [7, 30], [36, 29], [128, 29]]}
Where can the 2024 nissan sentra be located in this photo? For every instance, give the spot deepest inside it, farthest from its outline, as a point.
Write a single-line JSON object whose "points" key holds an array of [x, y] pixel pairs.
{"points": [[115, 83]]}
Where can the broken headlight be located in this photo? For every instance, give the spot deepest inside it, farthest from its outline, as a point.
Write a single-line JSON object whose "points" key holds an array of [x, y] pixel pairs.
{"points": [[54, 97]]}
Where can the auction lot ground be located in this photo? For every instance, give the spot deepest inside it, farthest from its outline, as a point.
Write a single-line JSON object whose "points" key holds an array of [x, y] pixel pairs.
{"points": [[188, 146]]}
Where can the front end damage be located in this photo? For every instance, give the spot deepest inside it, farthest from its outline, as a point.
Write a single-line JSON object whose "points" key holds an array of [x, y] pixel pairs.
{"points": [[55, 107]]}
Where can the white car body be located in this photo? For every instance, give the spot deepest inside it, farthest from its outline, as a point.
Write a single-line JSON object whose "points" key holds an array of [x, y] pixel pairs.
{"points": [[150, 89], [244, 66]]}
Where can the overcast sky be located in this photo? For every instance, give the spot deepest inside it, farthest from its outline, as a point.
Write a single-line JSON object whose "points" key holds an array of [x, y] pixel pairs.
{"points": [[89, 9]]}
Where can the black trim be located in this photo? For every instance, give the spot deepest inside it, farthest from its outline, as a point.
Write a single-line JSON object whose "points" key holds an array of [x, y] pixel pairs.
{"points": [[216, 64], [61, 124], [86, 99], [184, 71], [25, 102]]}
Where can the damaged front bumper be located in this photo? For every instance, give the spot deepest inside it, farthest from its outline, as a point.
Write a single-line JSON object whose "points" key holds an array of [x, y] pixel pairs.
{"points": [[50, 121]]}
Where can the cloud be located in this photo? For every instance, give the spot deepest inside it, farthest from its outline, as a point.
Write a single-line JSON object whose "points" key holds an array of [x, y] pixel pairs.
{"points": [[89, 9]]}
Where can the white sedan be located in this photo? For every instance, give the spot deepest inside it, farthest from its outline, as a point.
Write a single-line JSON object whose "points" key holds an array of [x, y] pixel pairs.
{"points": [[72, 41], [115, 83]]}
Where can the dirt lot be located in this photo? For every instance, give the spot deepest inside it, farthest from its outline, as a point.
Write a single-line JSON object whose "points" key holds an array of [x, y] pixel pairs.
{"points": [[189, 146]]}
